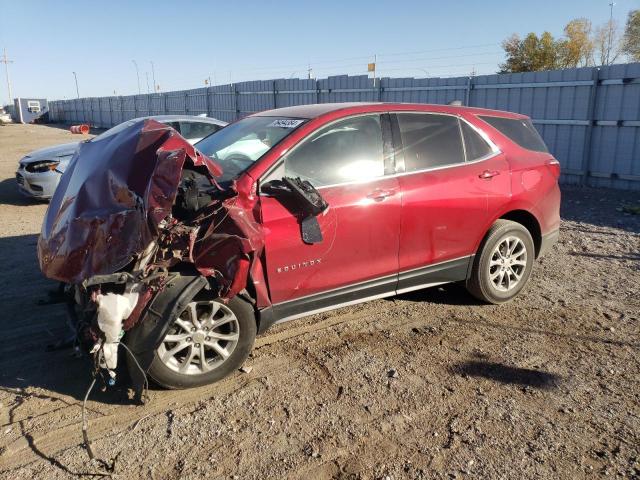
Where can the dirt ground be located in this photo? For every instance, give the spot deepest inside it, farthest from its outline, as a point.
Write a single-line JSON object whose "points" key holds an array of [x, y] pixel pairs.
{"points": [[424, 385]]}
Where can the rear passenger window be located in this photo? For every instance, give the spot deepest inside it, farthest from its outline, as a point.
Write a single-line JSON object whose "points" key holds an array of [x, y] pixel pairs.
{"points": [[430, 140], [475, 146], [521, 131]]}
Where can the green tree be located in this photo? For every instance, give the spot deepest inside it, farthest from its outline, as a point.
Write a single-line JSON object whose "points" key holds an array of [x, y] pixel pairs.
{"points": [[515, 59], [530, 54], [631, 41]]}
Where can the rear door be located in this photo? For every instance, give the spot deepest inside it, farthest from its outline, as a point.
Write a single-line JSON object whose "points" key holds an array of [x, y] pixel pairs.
{"points": [[358, 256], [445, 198]]}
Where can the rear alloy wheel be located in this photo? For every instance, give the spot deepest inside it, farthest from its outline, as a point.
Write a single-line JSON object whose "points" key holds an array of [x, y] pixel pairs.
{"points": [[205, 343], [503, 263]]}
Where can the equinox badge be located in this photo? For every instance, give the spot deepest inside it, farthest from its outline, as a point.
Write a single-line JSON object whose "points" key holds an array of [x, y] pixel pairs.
{"points": [[295, 266]]}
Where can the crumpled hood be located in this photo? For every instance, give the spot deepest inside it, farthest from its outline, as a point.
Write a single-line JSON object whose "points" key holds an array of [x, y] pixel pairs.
{"points": [[111, 199], [50, 153]]}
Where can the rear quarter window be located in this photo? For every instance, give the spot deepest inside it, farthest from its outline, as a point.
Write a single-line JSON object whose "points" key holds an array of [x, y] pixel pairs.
{"points": [[520, 131]]}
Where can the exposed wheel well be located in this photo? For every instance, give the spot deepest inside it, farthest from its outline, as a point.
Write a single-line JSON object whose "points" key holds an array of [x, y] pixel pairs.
{"points": [[528, 221]]}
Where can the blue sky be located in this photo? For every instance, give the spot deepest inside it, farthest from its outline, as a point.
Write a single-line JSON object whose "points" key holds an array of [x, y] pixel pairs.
{"points": [[189, 41]]}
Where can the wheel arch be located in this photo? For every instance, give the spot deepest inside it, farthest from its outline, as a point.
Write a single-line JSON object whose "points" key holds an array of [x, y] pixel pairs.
{"points": [[528, 221]]}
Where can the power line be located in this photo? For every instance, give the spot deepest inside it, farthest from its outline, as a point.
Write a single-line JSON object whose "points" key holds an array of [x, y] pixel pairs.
{"points": [[431, 67], [339, 61], [276, 70], [439, 50]]}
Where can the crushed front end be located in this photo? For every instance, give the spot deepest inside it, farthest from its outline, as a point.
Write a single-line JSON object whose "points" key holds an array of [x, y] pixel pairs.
{"points": [[134, 210]]}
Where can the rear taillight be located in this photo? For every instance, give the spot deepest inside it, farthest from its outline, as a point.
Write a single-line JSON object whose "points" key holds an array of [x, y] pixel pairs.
{"points": [[554, 166]]}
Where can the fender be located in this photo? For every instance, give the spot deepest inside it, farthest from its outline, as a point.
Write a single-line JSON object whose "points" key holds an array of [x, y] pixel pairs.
{"points": [[519, 204], [148, 333]]}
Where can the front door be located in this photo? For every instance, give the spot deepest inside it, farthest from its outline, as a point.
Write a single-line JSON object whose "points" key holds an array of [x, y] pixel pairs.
{"points": [[358, 256]]}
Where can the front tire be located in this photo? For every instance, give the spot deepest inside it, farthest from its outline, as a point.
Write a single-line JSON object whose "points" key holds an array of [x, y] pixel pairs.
{"points": [[503, 264], [202, 344]]}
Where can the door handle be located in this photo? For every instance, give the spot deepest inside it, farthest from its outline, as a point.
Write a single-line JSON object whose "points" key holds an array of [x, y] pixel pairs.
{"points": [[379, 194], [489, 174]]}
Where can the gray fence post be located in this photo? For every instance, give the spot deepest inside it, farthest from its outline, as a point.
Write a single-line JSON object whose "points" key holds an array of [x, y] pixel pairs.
{"points": [[467, 93], [275, 94], [317, 91], [235, 96], [206, 101], [588, 138]]}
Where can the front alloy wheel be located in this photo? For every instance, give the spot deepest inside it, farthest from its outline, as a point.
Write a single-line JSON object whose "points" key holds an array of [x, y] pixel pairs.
{"points": [[201, 339], [207, 341]]}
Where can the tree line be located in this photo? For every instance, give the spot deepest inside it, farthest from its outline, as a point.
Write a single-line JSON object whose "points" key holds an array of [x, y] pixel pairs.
{"points": [[582, 45]]}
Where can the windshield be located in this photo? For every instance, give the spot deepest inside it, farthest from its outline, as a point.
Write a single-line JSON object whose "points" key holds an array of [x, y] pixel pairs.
{"points": [[236, 147]]}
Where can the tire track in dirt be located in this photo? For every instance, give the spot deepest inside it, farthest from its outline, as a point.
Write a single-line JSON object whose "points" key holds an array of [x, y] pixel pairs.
{"points": [[54, 441]]}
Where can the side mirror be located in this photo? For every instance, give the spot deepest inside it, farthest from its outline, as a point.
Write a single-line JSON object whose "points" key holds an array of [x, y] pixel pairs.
{"points": [[300, 194], [276, 188], [300, 197]]}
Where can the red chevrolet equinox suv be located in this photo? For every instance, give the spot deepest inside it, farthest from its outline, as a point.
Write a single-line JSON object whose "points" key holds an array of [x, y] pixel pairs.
{"points": [[291, 212]]}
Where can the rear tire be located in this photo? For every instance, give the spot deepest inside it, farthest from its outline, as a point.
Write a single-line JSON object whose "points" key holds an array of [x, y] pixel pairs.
{"points": [[503, 264]]}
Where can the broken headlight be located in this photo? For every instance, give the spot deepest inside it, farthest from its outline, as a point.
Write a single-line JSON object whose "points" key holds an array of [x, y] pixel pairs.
{"points": [[40, 167]]}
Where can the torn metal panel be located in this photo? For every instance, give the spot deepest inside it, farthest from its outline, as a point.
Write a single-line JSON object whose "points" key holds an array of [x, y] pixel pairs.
{"points": [[111, 200]]}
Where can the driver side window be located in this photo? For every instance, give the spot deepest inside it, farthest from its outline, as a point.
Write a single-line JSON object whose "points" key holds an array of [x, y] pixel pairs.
{"points": [[345, 151]]}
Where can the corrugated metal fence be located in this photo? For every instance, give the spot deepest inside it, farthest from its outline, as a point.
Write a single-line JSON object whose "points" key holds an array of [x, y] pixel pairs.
{"points": [[589, 117]]}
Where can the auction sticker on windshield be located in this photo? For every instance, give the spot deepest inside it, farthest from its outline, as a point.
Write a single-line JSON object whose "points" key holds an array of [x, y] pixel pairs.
{"points": [[285, 123]]}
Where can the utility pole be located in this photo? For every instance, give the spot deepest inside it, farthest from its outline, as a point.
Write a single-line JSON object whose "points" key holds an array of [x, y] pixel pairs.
{"points": [[153, 75], [6, 62], [146, 74], [375, 61], [137, 75], [77, 91], [371, 67]]}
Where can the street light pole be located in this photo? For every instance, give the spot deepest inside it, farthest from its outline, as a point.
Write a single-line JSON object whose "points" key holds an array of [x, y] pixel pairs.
{"points": [[6, 62], [611, 5], [77, 91], [153, 75], [137, 75]]}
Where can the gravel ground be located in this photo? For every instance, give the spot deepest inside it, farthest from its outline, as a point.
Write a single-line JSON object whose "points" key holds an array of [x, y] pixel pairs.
{"points": [[424, 385]]}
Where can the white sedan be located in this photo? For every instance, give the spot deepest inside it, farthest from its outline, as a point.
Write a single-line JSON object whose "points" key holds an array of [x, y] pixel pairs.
{"points": [[39, 172]]}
